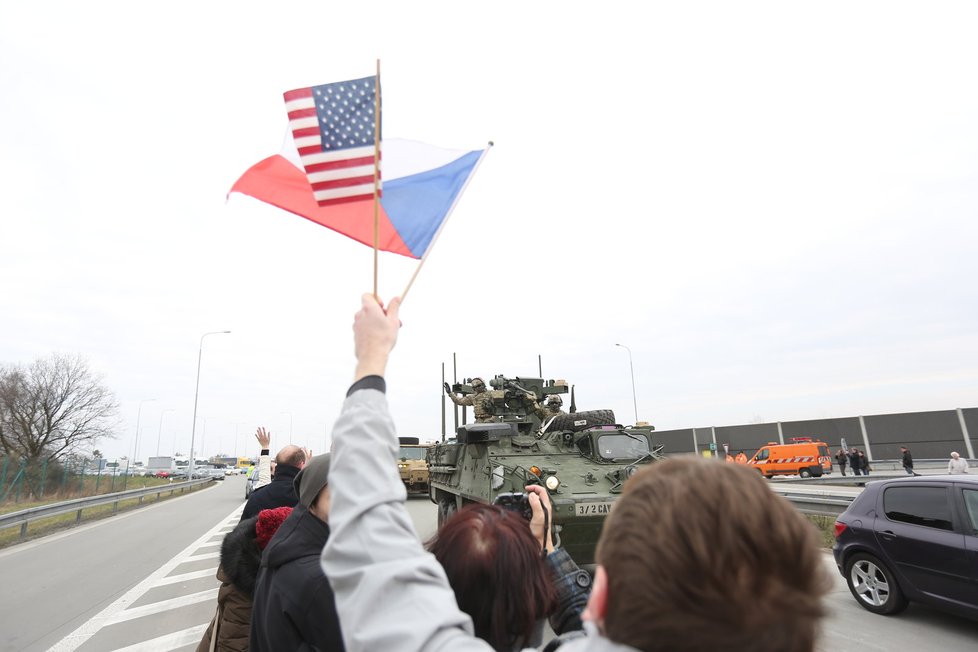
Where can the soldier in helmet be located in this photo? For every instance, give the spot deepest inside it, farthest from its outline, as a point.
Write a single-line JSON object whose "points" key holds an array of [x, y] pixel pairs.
{"points": [[551, 408], [481, 400]]}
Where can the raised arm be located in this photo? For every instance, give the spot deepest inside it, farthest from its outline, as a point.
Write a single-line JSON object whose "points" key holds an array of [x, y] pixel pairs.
{"points": [[390, 593], [264, 458]]}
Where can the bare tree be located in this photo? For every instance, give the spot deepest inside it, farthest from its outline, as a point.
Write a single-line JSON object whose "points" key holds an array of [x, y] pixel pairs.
{"points": [[53, 408]]}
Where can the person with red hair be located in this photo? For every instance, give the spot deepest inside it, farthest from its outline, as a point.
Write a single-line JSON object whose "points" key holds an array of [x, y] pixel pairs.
{"points": [[508, 576]]}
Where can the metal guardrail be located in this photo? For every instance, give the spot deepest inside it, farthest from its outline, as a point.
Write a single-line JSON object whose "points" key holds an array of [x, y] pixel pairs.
{"points": [[821, 504], [26, 516]]}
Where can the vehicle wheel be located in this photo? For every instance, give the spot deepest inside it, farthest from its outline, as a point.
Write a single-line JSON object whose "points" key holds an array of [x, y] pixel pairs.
{"points": [[446, 507], [805, 473], [589, 417], [873, 585]]}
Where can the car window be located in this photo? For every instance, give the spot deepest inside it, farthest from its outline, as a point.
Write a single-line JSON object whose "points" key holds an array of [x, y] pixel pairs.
{"points": [[622, 446], [971, 504], [763, 454], [411, 453], [927, 506]]}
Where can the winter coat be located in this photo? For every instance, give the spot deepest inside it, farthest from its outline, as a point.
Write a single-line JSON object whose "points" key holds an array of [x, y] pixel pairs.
{"points": [[957, 466], [907, 460], [277, 493], [293, 605], [240, 560]]}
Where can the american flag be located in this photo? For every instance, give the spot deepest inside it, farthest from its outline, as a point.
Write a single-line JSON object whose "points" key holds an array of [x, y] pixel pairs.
{"points": [[333, 129]]}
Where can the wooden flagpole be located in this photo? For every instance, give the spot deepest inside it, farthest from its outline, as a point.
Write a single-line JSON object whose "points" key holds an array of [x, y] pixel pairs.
{"points": [[451, 208], [376, 175]]}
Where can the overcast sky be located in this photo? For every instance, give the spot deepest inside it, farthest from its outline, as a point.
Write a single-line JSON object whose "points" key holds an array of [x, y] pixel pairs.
{"points": [[773, 207]]}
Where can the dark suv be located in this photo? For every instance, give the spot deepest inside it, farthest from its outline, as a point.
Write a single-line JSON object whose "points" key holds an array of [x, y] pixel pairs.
{"points": [[912, 539]]}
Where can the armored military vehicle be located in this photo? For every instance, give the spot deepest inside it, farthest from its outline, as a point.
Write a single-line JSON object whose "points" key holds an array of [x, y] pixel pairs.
{"points": [[582, 458], [412, 465]]}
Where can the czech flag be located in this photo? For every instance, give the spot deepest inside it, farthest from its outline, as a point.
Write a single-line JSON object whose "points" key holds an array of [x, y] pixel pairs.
{"points": [[421, 186]]}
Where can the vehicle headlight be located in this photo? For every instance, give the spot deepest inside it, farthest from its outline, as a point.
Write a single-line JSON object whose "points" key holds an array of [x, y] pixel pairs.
{"points": [[553, 482]]}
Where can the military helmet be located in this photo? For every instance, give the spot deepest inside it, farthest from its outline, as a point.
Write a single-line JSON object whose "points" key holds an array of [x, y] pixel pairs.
{"points": [[554, 400], [477, 382]]}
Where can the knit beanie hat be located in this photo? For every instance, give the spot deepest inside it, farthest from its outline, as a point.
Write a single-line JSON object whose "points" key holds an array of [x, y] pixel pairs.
{"points": [[311, 479], [269, 521]]}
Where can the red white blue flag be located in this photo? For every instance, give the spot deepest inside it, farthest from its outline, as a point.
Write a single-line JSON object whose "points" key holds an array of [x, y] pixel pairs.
{"points": [[335, 127], [422, 184]]}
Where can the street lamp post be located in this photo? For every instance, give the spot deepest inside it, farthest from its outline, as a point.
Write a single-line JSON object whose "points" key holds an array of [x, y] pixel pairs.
{"points": [[159, 433], [139, 413], [632, 369], [193, 425], [236, 440], [203, 436]]}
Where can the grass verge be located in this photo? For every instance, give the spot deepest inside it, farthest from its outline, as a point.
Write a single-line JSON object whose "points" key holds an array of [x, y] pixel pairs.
{"points": [[825, 526]]}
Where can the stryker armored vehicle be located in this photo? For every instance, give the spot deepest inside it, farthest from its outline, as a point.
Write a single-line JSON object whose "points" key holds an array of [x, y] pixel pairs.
{"points": [[582, 458], [411, 464]]}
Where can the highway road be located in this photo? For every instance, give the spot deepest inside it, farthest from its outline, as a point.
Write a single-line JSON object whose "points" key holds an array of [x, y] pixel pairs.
{"points": [[145, 581]]}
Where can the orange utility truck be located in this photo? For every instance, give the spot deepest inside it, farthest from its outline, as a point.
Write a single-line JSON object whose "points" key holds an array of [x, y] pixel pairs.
{"points": [[803, 456]]}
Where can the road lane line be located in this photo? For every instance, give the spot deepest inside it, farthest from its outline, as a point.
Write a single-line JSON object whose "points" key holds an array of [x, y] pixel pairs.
{"points": [[162, 605], [78, 637], [186, 577], [206, 555], [173, 641]]}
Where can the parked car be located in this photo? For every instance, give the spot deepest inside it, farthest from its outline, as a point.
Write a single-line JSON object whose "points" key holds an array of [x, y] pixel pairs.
{"points": [[162, 474], [250, 482], [912, 539], [208, 472]]}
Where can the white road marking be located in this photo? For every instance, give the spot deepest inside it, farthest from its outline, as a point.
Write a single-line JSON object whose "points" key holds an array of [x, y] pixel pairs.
{"points": [[162, 605], [186, 577], [113, 613], [206, 555], [173, 641]]}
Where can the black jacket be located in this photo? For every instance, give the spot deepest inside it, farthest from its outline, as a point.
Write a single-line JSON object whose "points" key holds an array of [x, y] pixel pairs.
{"points": [[907, 459], [294, 607], [277, 493]]}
